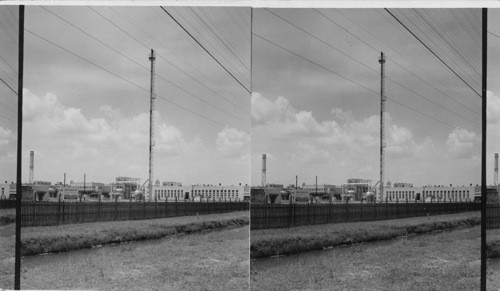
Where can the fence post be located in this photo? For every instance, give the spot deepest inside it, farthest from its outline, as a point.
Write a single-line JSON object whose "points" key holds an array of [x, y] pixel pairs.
{"points": [[62, 214], [115, 216], [330, 210], [361, 211], [407, 208], [346, 210], [59, 211], [308, 213]]}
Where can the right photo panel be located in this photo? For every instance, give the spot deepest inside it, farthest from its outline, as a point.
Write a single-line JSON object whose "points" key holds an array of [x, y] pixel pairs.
{"points": [[366, 149], [493, 149]]}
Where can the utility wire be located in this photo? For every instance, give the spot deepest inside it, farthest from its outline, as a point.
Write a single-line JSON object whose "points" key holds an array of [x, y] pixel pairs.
{"points": [[205, 49], [145, 68], [439, 48], [122, 78], [432, 52], [117, 26], [160, 56], [202, 35], [494, 34], [370, 68], [350, 80], [393, 60], [176, 27], [218, 37], [314, 63], [8, 86]]}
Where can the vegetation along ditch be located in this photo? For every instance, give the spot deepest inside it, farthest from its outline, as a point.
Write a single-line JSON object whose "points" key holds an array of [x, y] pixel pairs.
{"points": [[275, 242], [39, 240]]}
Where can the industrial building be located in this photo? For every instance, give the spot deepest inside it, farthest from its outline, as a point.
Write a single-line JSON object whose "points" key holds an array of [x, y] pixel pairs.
{"points": [[92, 189], [125, 188], [406, 191], [178, 192]]}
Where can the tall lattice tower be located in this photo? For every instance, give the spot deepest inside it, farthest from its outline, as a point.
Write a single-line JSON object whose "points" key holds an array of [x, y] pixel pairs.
{"points": [[32, 167], [152, 58], [264, 170], [495, 177], [382, 124]]}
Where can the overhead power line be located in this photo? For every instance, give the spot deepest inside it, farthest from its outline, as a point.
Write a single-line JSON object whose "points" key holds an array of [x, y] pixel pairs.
{"points": [[370, 68], [350, 80], [391, 59], [430, 50], [205, 49], [143, 67], [494, 34], [8, 86], [177, 67], [138, 41], [120, 77]]}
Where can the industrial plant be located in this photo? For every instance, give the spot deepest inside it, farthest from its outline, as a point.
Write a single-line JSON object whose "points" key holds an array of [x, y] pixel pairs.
{"points": [[122, 189], [361, 190]]}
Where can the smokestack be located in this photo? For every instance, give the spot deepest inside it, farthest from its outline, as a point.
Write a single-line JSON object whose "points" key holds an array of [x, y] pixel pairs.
{"points": [[495, 179], [32, 167], [263, 170]]}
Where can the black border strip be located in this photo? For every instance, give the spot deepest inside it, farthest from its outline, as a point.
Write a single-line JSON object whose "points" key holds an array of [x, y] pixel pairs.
{"points": [[483, 148], [17, 275]]}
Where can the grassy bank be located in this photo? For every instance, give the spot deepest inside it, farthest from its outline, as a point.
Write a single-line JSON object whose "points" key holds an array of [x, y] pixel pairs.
{"points": [[48, 239], [7, 251], [272, 242], [7, 216], [493, 243], [448, 260], [215, 260]]}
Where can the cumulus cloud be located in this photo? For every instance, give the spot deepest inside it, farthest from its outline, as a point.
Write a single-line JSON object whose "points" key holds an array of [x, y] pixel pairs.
{"points": [[344, 145], [112, 141], [7, 142], [232, 142], [462, 143], [493, 108]]}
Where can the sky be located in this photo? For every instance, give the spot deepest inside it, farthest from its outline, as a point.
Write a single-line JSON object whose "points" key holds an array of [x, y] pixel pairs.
{"points": [[86, 94], [79, 118], [316, 103]]}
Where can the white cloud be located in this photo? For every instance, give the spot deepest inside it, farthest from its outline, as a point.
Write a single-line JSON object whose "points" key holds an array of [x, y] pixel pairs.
{"points": [[233, 142], [345, 146], [462, 143], [113, 144], [493, 108]]}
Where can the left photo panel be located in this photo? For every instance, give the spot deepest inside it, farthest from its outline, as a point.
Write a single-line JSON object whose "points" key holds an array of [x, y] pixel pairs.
{"points": [[9, 69], [136, 146]]}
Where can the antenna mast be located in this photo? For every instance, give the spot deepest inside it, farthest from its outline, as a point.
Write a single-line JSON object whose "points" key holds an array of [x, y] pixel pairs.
{"points": [[152, 58], [495, 168], [382, 124]]}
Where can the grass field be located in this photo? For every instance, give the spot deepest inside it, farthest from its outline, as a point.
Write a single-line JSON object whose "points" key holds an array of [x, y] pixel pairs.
{"points": [[7, 216], [448, 260], [271, 242], [7, 249], [216, 260], [37, 240]]}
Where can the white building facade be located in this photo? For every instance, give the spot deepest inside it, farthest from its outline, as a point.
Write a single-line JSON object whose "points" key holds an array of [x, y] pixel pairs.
{"points": [[173, 192], [436, 193]]}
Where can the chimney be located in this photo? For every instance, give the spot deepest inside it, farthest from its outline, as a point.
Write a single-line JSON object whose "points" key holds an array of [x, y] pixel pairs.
{"points": [[263, 170], [32, 167]]}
